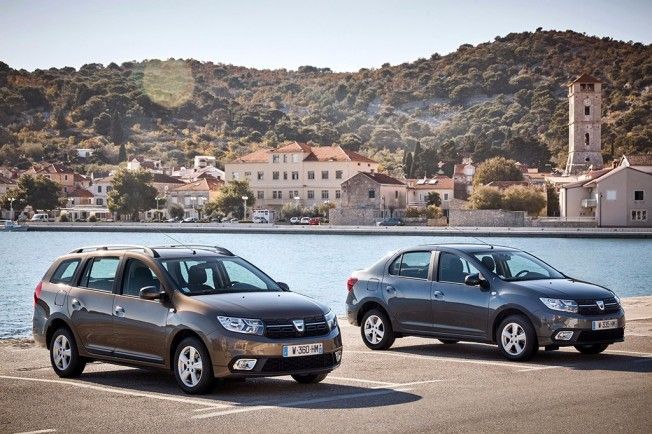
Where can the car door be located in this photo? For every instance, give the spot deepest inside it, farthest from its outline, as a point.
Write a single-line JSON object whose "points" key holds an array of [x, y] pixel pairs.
{"points": [[407, 290], [139, 325], [458, 309], [90, 304]]}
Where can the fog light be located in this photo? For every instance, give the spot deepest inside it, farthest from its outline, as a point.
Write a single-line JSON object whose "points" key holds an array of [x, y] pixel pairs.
{"points": [[338, 356], [566, 335], [244, 364]]}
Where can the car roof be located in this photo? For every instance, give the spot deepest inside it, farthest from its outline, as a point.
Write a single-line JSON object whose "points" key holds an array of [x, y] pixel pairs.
{"points": [[168, 251], [461, 247]]}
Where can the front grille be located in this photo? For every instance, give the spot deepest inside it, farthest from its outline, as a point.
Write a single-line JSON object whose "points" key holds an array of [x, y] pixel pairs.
{"points": [[590, 307], [291, 364], [283, 328], [592, 336]]}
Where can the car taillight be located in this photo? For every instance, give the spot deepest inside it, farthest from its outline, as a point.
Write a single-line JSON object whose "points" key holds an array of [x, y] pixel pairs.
{"points": [[37, 292], [351, 283]]}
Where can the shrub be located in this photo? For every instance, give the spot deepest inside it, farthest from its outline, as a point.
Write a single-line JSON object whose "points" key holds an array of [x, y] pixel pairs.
{"points": [[497, 169], [92, 218], [522, 198], [484, 197], [64, 217]]}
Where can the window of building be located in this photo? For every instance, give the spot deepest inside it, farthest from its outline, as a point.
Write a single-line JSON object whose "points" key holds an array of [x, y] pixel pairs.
{"points": [[261, 176], [285, 176], [396, 194], [276, 159], [311, 174], [235, 175], [639, 195], [590, 87], [99, 189], [639, 215], [582, 86], [275, 175], [295, 175], [311, 194], [247, 175], [372, 194], [586, 139], [338, 174], [324, 174], [587, 110], [99, 201], [260, 194], [109, 188], [294, 194], [324, 194], [274, 195], [280, 194], [338, 194], [285, 158], [445, 196]]}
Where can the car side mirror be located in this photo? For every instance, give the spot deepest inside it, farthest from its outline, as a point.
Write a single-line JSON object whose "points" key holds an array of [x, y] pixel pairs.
{"points": [[476, 279], [284, 286], [150, 293]]}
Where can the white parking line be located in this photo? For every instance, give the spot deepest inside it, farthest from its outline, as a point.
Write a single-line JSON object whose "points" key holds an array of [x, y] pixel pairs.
{"points": [[203, 403], [360, 380], [38, 432]]}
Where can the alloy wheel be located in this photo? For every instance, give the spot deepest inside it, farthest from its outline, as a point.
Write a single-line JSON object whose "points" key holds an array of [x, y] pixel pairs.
{"points": [[374, 329], [513, 339], [190, 366], [61, 352]]}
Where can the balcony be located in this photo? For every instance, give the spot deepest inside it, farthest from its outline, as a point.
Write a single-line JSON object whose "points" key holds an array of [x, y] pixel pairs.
{"points": [[589, 203]]}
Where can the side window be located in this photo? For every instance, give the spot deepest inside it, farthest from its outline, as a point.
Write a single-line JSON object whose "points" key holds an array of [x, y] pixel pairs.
{"points": [[100, 274], [395, 268], [65, 271], [242, 278], [415, 265], [138, 275], [454, 269]]}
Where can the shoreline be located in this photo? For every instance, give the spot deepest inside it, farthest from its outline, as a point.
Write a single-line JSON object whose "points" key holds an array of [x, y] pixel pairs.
{"points": [[247, 228]]}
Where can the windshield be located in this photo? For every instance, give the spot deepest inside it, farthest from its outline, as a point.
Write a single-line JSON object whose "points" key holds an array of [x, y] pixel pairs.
{"points": [[517, 266], [201, 276]]}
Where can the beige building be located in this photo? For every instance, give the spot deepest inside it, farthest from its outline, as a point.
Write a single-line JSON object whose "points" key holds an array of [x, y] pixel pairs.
{"points": [[419, 189], [297, 171], [194, 195], [67, 178]]}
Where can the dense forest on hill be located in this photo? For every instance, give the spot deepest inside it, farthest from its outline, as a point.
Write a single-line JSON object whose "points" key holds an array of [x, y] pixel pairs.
{"points": [[506, 97]]}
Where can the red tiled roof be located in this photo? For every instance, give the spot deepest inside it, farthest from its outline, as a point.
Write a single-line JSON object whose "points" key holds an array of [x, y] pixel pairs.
{"points": [[382, 178], [80, 192], [639, 160], [315, 153], [436, 183], [204, 184], [586, 78], [259, 156], [4, 180], [294, 147], [165, 179]]}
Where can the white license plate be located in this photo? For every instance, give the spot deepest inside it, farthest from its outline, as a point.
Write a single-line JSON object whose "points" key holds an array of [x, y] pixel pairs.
{"points": [[303, 350], [605, 324]]}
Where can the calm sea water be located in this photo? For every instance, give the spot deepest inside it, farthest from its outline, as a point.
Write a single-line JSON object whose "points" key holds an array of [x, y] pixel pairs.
{"points": [[317, 266]]}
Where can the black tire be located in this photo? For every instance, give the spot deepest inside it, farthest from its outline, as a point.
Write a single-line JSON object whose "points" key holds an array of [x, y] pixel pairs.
{"points": [[309, 378], [64, 356], [385, 326], [514, 349], [448, 341], [206, 380], [591, 349]]}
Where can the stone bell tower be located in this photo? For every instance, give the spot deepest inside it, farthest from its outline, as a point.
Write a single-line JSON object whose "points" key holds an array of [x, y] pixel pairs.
{"points": [[584, 119]]}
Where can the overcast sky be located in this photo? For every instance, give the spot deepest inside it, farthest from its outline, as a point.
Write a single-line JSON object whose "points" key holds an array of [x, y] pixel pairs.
{"points": [[344, 35]]}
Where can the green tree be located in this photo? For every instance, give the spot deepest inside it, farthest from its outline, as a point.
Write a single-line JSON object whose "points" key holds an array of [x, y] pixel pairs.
{"points": [[176, 211], [522, 198], [132, 192], [229, 200], [484, 197], [122, 153], [433, 198], [497, 169], [552, 201], [38, 192], [291, 209], [407, 166]]}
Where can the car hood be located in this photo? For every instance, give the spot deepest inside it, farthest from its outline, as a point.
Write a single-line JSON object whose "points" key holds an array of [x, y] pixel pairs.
{"points": [[263, 305], [565, 288]]}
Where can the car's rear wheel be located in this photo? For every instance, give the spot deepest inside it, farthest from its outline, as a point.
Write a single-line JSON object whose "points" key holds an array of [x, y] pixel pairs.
{"points": [[309, 378], [448, 341], [592, 348], [516, 338], [192, 366], [64, 356], [376, 330]]}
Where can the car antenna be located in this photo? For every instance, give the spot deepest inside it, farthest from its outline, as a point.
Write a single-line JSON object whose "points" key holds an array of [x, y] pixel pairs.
{"points": [[472, 236], [175, 240]]}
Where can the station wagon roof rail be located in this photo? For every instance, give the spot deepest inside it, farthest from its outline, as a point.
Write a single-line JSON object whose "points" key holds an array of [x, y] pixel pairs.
{"points": [[216, 249], [146, 249]]}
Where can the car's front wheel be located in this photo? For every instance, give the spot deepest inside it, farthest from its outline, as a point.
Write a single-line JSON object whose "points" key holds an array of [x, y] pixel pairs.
{"points": [[192, 366], [376, 330], [516, 338], [592, 348], [64, 356], [309, 378]]}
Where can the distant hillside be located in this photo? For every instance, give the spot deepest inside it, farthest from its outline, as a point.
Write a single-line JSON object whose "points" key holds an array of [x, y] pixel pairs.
{"points": [[506, 97]]}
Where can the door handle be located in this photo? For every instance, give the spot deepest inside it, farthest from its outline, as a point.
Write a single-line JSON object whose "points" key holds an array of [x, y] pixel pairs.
{"points": [[75, 304], [438, 294], [390, 288], [119, 311]]}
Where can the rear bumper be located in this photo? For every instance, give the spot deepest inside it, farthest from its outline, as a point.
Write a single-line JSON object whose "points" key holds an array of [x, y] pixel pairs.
{"points": [[552, 323], [39, 324], [227, 347]]}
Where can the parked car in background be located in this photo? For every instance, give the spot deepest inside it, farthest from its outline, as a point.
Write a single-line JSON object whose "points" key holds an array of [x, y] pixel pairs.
{"points": [[295, 220], [390, 222], [481, 293], [304, 221], [314, 221], [260, 220], [172, 220], [199, 311], [40, 217], [190, 220]]}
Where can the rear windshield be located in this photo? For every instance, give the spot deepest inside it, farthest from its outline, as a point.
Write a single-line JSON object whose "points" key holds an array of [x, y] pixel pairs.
{"points": [[200, 276]]}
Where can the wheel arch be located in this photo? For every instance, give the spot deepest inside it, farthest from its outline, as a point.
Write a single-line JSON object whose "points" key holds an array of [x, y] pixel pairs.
{"points": [[55, 323], [369, 305], [509, 311], [180, 335]]}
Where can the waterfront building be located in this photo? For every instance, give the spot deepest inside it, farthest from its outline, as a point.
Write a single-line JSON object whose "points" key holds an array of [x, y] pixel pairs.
{"points": [[62, 175], [419, 189], [194, 195], [298, 172]]}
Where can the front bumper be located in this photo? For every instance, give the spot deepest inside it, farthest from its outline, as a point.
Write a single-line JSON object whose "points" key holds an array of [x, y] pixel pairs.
{"points": [[226, 347], [552, 322]]}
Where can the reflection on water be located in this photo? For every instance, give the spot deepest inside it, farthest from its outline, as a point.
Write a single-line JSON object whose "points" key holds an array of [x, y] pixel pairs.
{"points": [[317, 265]]}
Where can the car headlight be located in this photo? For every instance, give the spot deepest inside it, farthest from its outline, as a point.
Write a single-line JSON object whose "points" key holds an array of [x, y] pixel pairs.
{"points": [[331, 320], [242, 325], [617, 298], [562, 305]]}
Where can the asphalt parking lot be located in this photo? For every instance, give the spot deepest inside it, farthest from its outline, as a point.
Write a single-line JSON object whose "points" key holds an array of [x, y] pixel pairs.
{"points": [[418, 385]]}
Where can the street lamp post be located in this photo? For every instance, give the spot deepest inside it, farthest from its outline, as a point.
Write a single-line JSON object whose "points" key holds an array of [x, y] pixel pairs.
{"points": [[244, 202], [11, 207]]}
